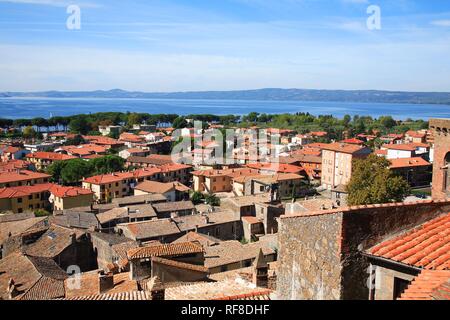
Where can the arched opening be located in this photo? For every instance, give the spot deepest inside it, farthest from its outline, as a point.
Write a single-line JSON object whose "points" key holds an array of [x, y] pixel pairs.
{"points": [[446, 169]]}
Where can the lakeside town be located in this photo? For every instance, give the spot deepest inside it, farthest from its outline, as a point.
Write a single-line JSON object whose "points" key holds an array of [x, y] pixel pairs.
{"points": [[128, 206]]}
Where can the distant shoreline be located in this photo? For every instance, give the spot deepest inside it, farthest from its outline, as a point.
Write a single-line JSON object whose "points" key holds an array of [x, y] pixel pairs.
{"points": [[288, 95]]}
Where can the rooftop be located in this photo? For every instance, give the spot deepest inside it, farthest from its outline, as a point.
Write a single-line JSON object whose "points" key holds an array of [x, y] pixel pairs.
{"points": [[151, 229], [228, 252], [222, 290], [408, 163], [68, 192], [21, 175], [425, 247], [49, 156], [23, 191], [344, 148], [165, 250], [428, 285]]}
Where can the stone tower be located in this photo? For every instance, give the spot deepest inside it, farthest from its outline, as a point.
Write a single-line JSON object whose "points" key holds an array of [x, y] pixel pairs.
{"points": [[260, 271], [441, 164]]}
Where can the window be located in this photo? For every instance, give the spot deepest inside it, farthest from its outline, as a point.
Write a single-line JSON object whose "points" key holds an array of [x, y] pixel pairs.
{"points": [[19, 200], [400, 285], [446, 177]]}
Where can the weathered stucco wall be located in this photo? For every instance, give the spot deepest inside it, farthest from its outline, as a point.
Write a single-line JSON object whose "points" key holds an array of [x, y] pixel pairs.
{"points": [[309, 257]]}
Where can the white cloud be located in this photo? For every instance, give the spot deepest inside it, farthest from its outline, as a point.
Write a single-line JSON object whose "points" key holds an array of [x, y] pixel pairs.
{"points": [[441, 23], [54, 3]]}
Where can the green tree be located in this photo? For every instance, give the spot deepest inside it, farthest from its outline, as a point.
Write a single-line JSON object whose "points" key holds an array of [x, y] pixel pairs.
{"points": [[134, 118], [74, 171], [55, 170], [388, 122], [197, 197], [80, 125], [179, 123], [29, 133], [107, 164], [212, 200], [373, 182]]}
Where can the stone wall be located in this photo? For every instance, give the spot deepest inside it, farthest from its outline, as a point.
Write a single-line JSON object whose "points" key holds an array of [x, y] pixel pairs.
{"points": [[168, 273], [441, 133], [363, 228], [320, 255], [309, 257]]}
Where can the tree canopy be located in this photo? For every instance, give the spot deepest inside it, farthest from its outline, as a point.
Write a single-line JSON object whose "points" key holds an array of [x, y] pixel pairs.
{"points": [[373, 182], [72, 171]]}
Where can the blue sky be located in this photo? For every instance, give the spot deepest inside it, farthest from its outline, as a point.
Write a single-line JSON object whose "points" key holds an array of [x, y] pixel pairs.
{"points": [[176, 45]]}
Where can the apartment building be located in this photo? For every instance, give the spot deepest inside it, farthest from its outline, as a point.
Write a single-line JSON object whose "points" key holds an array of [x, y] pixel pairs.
{"points": [[64, 198], [42, 160], [337, 161], [119, 184], [213, 181], [17, 178], [25, 198], [285, 184]]}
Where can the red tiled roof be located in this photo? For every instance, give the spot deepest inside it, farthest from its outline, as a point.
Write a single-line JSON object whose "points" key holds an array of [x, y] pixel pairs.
{"points": [[49, 156], [21, 175], [165, 250], [129, 137], [232, 173], [426, 247], [381, 152], [11, 149], [353, 141], [23, 191], [427, 285], [408, 163], [343, 147], [101, 140], [119, 176], [67, 192], [415, 134], [13, 165], [276, 167], [403, 147], [319, 133]]}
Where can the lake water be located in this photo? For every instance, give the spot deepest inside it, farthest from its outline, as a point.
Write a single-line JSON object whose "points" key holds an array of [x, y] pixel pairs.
{"points": [[14, 108]]}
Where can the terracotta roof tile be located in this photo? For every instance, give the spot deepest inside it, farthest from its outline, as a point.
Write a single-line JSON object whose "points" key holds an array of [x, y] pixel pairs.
{"points": [[165, 250], [426, 247], [426, 285], [49, 156], [21, 175]]}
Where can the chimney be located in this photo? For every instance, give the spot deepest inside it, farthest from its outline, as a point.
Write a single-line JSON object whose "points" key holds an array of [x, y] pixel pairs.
{"points": [[105, 282], [12, 289], [260, 271], [156, 288]]}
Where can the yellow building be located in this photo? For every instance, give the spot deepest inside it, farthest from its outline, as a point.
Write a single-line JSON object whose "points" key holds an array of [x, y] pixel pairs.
{"points": [[119, 184], [337, 161], [64, 198], [42, 160], [25, 198], [17, 178], [214, 181]]}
